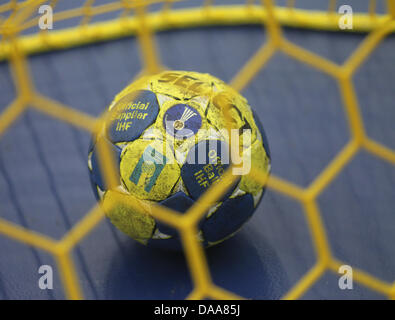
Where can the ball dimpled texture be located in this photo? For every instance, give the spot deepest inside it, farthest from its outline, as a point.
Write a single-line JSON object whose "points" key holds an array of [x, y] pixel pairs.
{"points": [[172, 136]]}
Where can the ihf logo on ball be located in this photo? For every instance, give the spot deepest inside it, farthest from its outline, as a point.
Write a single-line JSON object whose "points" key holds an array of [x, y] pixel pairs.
{"points": [[182, 121]]}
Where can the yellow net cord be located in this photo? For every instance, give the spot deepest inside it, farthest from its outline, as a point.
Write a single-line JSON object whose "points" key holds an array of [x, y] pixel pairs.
{"points": [[16, 48]]}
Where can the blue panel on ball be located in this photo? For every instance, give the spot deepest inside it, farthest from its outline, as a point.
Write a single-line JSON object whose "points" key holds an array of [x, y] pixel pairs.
{"points": [[263, 134], [232, 214], [179, 202], [182, 121], [96, 174], [205, 163], [131, 115]]}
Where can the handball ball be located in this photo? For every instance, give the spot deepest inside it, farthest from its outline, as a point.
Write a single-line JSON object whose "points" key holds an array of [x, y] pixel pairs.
{"points": [[173, 135]]}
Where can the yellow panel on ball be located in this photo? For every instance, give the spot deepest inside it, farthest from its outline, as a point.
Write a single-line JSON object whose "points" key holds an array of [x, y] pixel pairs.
{"points": [[148, 169], [230, 104], [137, 224], [182, 84], [260, 161]]}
